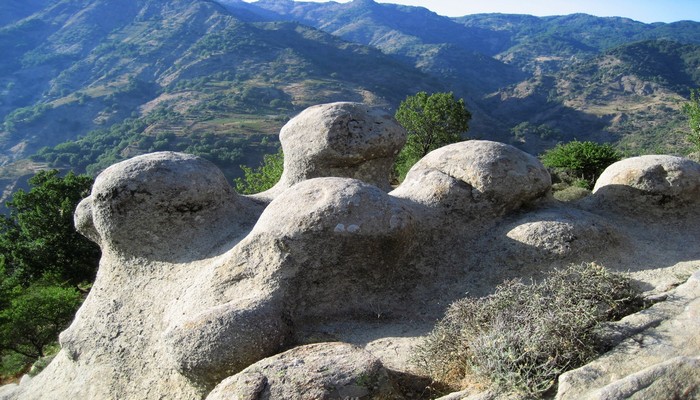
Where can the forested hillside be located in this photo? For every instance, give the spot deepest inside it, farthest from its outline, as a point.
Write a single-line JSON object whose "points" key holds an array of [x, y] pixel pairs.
{"points": [[86, 83]]}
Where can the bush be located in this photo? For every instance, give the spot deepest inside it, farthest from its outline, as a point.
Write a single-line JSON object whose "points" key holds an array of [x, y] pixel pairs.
{"points": [[583, 160], [262, 178], [522, 337], [692, 110], [571, 193]]}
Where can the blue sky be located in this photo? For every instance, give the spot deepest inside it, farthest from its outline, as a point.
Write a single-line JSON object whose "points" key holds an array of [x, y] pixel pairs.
{"points": [[640, 10]]}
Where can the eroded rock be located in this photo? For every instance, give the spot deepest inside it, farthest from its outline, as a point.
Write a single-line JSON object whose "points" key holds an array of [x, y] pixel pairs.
{"points": [[348, 140], [650, 184], [162, 206], [311, 372], [198, 283], [476, 178]]}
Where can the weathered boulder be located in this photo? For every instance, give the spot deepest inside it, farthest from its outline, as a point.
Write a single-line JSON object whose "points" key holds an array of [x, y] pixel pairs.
{"points": [[198, 283], [650, 184], [325, 248], [565, 234], [348, 140], [162, 206], [311, 372], [477, 178]]}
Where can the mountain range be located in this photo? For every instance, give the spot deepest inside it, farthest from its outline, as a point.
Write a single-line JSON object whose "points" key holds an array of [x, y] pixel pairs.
{"points": [[86, 83]]}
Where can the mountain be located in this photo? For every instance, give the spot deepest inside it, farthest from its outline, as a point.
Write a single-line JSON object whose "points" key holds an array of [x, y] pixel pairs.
{"points": [[513, 69], [97, 81], [548, 43], [435, 44], [630, 95], [86, 83]]}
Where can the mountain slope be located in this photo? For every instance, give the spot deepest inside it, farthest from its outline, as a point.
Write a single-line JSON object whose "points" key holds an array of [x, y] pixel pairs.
{"points": [[550, 43], [86, 83], [629, 94], [435, 44], [179, 75]]}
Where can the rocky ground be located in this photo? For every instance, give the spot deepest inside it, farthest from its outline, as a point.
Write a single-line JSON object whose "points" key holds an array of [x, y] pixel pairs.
{"points": [[320, 287]]}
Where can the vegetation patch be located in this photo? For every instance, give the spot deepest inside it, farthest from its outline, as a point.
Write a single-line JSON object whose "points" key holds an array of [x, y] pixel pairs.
{"points": [[523, 336]]}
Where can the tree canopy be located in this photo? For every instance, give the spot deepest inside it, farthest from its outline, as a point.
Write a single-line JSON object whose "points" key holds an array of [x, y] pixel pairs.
{"points": [[35, 317], [584, 160], [263, 177], [43, 259], [431, 121], [38, 237]]}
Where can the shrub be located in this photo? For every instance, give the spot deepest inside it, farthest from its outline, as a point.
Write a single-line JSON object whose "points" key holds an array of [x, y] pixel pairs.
{"points": [[692, 110], [571, 193], [262, 178], [522, 337], [583, 160]]}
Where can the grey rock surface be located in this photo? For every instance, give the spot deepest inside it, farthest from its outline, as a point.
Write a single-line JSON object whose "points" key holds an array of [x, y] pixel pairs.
{"points": [[652, 183], [198, 283], [657, 354], [344, 139], [477, 178], [311, 372]]}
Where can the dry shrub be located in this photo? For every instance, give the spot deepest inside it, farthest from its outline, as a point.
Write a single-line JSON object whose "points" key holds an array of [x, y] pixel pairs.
{"points": [[571, 193], [522, 337]]}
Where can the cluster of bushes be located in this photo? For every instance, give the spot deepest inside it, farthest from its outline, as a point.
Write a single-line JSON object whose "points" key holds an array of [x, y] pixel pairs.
{"points": [[45, 268], [24, 116], [523, 336]]}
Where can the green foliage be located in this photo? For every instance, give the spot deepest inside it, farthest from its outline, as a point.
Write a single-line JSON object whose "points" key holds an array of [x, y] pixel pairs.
{"points": [[34, 319], [42, 260], [585, 160], [522, 337], [692, 110], [103, 147], [24, 116], [432, 121], [571, 193], [543, 131], [39, 237], [12, 366], [262, 178]]}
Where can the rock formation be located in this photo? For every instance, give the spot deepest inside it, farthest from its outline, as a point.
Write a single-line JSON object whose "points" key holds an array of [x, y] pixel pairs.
{"points": [[204, 292]]}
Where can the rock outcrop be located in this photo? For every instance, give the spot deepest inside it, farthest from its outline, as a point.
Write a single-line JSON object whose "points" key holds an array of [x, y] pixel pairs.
{"points": [[204, 292], [317, 371], [349, 140], [659, 357]]}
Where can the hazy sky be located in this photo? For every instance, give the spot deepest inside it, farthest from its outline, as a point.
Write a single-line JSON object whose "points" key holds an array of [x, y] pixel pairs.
{"points": [[640, 10]]}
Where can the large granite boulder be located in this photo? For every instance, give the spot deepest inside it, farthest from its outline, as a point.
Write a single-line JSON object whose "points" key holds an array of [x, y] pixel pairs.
{"points": [[650, 184], [198, 284], [476, 178], [164, 207], [325, 248], [311, 372], [348, 140]]}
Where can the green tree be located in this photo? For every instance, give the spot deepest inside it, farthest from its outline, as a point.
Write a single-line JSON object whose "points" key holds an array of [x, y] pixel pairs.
{"points": [[262, 178], [39, 237], [584, 160], [431, 121], [692, 110], [34, 318]]}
